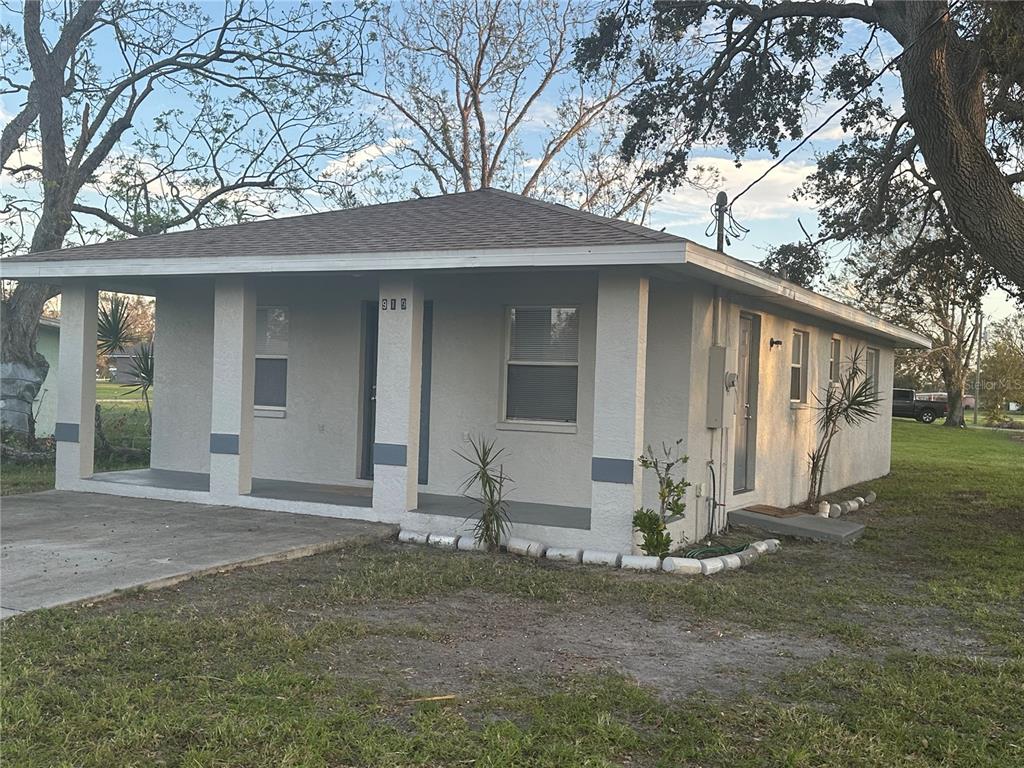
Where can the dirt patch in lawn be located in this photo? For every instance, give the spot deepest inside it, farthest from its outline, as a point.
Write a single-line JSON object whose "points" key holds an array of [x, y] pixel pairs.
{"points": [[430, 626], [487, 635]]}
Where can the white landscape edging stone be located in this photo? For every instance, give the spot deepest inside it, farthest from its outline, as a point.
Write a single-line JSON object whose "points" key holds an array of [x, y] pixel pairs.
{"points": [[412, 537], [851, 505], [525, 547], [641, 563], [682, 566], [598, 557], [710, 565], [748, 556], [468, 544], [564, 554], [442, 540], [732, 562]]}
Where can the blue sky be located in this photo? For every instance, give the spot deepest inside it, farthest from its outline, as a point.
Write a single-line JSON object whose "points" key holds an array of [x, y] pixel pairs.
{"points": [[768, 210]]}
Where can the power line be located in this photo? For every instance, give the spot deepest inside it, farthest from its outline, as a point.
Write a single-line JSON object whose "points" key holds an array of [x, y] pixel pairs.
{"points": [[844, 106]]}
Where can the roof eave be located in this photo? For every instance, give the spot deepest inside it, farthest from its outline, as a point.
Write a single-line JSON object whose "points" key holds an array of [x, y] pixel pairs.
{"points": [[749, 279], [633, 254]]}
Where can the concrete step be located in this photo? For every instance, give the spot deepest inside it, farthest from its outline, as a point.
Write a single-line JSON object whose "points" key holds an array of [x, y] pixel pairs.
{"points": [[833, 530]]}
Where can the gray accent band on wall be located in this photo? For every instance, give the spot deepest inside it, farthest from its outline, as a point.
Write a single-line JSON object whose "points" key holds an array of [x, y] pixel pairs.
{"points": [[611, 470], [224, 443], [389, 454], [64, 432]]}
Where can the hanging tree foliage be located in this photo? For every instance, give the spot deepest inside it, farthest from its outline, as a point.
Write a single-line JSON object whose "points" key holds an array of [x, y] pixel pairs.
{"points": [[134, 118], [742, 74]]}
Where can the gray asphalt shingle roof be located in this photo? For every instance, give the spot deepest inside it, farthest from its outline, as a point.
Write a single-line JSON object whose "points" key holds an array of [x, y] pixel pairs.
{"points": [[479, 220]]}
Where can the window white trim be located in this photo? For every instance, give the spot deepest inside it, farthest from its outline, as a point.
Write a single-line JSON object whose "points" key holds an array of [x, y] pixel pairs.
{"points": [[835, 359], [536, 425], [269, 411], [264, 410], [524, 425], [800, 341], [872, 356]]}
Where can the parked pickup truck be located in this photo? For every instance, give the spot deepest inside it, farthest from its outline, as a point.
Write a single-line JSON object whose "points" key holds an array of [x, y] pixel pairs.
{"points": [[905, 402]]}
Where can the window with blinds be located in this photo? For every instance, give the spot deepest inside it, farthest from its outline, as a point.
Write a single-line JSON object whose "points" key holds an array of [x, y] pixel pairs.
{"points": [[271, 385], [542, 364]]}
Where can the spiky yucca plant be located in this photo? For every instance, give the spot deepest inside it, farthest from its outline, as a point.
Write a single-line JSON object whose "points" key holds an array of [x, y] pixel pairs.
{"points": [[850, 401], [114, 326], [142, 370], [486, 484]]}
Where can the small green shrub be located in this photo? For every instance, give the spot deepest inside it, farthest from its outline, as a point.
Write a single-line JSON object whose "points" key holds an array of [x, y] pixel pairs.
{"points": [[657, 540], [671, 499]]}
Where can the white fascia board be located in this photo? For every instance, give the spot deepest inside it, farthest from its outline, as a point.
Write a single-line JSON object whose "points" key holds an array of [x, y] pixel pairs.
{"points": [[625, 255], [785, 293]]}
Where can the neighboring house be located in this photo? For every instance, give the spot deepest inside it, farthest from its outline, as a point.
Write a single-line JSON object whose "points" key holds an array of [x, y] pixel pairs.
{"points": [[44, 409], [119, 365], [334, 363]]}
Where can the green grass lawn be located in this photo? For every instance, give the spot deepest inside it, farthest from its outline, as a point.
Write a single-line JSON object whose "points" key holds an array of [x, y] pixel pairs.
{"points": [[903, 650], [107, 390], [125, 424]]}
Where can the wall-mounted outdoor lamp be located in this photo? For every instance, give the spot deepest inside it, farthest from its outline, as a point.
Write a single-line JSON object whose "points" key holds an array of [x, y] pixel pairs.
{"points": [[773, 342]]}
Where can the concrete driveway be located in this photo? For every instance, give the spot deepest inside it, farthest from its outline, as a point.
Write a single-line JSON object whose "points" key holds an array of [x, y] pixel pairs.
{"points": [[60, 547]]}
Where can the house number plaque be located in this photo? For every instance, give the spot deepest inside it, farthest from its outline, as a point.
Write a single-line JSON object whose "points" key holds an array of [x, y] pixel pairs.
{"points": [[393, 304]]}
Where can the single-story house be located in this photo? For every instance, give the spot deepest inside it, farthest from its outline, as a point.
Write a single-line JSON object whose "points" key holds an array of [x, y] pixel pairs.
{"points": [[335, 364]]}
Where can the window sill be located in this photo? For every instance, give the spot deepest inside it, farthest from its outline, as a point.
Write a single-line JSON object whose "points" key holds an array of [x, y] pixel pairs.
{"points": [[269, 413], [554, 427], [795, 406]]}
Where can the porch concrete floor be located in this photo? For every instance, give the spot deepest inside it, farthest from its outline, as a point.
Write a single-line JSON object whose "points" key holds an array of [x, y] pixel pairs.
{"points": [[62, 547], [289, 490]]}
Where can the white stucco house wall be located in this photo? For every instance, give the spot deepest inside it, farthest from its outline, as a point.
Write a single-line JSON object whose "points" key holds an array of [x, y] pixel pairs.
{"points": [[334, 363]]}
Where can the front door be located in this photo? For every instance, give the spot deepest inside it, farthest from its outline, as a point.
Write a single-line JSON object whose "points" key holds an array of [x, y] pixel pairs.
{"points": [[746, 411], [369, 387]]}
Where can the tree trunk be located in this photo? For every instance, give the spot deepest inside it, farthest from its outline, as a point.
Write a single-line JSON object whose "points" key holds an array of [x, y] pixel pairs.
{"points": [[942, 91], [955, 414], [22, 368], [954, 377]]}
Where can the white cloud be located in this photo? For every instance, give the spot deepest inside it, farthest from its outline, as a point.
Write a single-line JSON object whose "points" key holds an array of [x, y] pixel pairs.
{"points": [[363, 156], [771, 198]]}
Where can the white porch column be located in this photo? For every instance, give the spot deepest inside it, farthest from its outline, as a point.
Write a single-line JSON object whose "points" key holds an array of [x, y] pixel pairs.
{"points": [[75, 428], [619, 384], [234, 320], [399, 371]]}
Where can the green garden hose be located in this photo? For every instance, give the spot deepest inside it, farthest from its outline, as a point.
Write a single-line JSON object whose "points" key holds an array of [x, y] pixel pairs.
{"points": [[701, 552]]}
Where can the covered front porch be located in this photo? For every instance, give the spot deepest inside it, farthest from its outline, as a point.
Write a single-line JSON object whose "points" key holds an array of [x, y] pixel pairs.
{"points": [[359, 410]]}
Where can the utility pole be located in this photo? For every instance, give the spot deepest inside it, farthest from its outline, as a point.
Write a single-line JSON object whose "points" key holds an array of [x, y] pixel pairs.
{"points": [[977, 366], [721, 204]]}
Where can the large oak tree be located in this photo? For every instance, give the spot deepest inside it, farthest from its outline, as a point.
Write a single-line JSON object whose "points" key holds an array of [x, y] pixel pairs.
{"points": [[743, 74]]}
